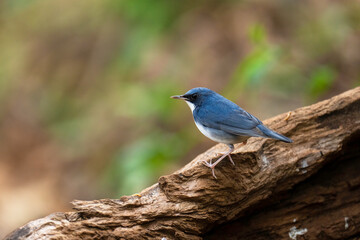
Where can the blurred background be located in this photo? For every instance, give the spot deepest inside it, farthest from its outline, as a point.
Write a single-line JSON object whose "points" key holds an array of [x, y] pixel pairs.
{"points": [[85, 111]]}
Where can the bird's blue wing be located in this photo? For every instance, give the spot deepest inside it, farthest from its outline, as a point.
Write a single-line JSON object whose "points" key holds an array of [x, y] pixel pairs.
{"points": [[227, 116]]}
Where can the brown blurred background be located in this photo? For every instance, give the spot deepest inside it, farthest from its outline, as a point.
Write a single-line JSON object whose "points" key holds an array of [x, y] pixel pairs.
{"points": [[84, 85]]}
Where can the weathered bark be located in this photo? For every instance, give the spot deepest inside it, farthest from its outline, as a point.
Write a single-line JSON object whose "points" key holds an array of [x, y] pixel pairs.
{"points": [[314, 180], [325, 206]]}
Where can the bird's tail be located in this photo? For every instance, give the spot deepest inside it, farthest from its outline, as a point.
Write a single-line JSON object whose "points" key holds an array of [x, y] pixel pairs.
{"points": [[271, 134]]}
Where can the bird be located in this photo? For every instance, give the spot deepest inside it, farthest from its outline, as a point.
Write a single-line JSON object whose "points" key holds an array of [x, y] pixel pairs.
{"points": [[223, 121]]}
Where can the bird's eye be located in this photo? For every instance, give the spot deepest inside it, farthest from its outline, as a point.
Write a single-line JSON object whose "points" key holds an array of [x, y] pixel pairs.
{"points": [[194, 96]]}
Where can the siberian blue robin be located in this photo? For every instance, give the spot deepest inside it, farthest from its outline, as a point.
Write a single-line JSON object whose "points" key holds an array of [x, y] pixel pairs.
{"points": [[223, 121]]}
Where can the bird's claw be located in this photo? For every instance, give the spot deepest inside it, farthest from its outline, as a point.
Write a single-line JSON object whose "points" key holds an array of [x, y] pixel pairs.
{"points": [[231, 160], [212, 166], [213, 172], [207, 164]]}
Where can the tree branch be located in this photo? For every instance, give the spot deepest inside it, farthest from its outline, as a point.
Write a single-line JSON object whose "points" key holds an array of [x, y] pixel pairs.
{"points": [[190, 203]]}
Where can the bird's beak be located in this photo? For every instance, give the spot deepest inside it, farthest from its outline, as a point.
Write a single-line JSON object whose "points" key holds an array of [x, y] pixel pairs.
{"points": [[178, 97]]}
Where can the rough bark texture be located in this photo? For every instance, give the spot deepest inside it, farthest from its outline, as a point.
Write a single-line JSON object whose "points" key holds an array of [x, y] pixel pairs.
{"points": [[309, 189]]}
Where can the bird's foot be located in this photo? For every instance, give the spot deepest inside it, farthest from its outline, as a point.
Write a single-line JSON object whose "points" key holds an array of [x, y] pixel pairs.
{"points": [[210, 165]]}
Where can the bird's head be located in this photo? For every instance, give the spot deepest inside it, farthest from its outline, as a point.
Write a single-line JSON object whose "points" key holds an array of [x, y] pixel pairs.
{"points": [[196, 96]]}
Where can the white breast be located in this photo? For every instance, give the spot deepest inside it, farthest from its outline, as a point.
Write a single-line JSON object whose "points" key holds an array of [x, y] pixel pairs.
{"points": [[191, 105], [220, 136], [204, 130], [215, 135]]}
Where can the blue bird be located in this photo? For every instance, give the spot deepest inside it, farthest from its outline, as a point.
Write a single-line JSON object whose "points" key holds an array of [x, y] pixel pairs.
{"points": [[223, 121]]}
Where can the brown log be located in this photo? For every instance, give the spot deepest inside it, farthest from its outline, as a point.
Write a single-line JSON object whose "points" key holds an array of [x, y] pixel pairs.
{"points": [[309, 189]]}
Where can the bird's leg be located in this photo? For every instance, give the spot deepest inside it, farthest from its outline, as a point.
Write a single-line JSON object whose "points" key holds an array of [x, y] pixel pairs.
{"points": [[231, 146], [224, 153], [213, 165]]}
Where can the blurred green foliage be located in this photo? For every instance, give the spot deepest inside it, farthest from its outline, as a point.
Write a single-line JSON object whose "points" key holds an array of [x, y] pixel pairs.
{"points": [[253, 68], [138, 163], [96, 76], [321, 81]]}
